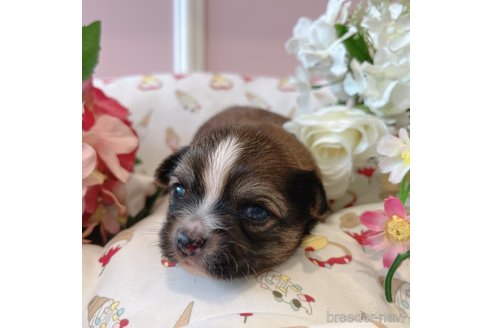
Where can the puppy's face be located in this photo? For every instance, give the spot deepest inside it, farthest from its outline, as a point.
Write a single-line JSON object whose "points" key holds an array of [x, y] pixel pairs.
{"points": [[239, 203]]}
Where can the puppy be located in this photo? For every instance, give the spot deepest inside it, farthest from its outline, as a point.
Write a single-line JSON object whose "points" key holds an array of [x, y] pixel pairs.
{"points": [[243, 194]]}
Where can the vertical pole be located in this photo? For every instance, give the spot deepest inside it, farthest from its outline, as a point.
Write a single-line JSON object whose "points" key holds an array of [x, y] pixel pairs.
{"points": [[189, 35]]}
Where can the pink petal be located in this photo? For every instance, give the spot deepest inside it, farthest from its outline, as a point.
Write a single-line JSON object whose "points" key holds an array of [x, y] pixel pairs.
{"points": [[374, 220], [393, 206], [87, 231], [376, 241], [89, 160], [110, 137], [120, 206], [114, 133], [94, 179], [110, 224], [109, 157], [102, 104], [391, 254]]}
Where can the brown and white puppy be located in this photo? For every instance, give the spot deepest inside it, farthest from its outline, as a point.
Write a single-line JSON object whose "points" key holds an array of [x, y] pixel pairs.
{"points": [[242, 196]]}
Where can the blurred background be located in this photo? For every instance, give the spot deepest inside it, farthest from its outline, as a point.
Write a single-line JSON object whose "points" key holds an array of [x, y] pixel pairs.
{"points": [[245, 37]]}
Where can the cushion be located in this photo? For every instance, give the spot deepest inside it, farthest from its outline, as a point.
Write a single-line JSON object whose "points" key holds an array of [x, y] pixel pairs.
{"points": [[329, 280], [167, 109]]}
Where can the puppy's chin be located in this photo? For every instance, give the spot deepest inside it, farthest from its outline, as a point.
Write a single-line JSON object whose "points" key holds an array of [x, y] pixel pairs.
{"points": [[190, 266], [216, 263]]}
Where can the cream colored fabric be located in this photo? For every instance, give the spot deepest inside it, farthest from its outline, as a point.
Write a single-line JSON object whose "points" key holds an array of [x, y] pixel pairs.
{"points": [[150, 293], [126, 285]]}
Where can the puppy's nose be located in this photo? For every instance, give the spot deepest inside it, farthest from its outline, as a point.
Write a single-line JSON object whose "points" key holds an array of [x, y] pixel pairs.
{"points": [[188, 245]]}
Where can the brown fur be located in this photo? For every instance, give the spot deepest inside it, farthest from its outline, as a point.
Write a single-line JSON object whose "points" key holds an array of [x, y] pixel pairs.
{"points": [[273, 169]]}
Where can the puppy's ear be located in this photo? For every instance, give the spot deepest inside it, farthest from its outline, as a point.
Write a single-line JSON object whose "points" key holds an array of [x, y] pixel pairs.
{"points": [[308, 191], [167, 166]]}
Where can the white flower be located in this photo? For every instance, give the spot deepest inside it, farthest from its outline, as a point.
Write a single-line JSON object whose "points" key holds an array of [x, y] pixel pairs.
{"points": [[388, 25], [317, 45], [308, 94], [385, 84], [338, 137], [321, 52], [396, 152]]}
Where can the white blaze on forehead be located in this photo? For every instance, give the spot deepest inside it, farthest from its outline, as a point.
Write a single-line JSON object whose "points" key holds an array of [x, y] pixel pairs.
{"points": [[215, 171], [218, 166]]}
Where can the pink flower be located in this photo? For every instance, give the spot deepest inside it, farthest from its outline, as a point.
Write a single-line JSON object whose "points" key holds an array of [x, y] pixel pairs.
{"points": [[104, 207], [109, 136], [90, 176], [109, 146], [89, 161], [390, 230], [99, 104]]}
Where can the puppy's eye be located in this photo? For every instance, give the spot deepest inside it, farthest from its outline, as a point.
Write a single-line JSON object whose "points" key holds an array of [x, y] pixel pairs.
{"points": [[256, 213], [178, 191]]}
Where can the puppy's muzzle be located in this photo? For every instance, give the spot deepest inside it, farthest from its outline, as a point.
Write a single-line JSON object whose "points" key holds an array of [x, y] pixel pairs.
{"points": [[188, 245]]}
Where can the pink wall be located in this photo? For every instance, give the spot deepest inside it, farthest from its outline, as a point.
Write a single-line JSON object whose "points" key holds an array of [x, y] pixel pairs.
{"points": [[249, 36], [136, 38], [243, 36]]}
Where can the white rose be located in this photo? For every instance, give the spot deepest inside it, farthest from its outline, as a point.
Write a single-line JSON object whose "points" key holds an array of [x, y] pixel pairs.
{"points": [[338, 137]]}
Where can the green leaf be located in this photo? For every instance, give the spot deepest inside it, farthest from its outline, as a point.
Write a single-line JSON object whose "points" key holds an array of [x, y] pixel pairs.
{"points": [[356, 45], [91, 35], [364, 108]]}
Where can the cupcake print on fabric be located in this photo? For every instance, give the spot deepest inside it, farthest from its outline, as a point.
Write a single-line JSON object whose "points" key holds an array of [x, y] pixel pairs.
{"points": [[149, 83], [187, 101], [220, 82], [105, 312]]}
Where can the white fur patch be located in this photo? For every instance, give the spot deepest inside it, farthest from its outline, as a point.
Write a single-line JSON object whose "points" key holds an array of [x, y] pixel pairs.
{"points": [[218, 166]]}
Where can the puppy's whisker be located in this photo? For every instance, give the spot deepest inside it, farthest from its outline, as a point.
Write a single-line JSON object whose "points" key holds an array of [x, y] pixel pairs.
{"points": [[252, 269], [237, 266], [223, 229], [242, 246]]}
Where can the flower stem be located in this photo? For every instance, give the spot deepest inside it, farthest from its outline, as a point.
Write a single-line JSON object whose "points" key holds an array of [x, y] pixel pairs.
{"points": [[389, 276], [402, 187], [406, 194]]}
